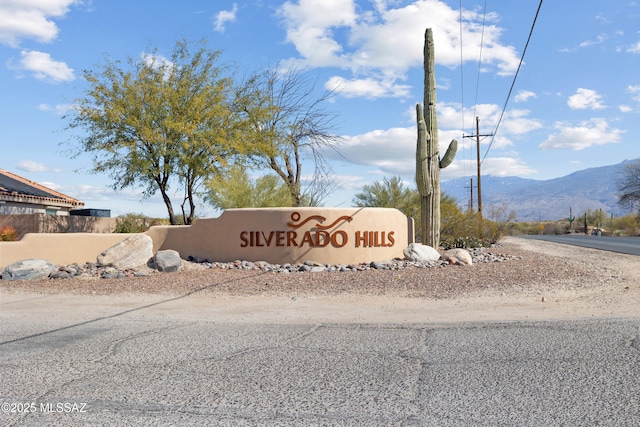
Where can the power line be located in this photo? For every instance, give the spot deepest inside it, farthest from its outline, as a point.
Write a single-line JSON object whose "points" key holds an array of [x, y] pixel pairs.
{"points": [[475, 102], [513, 82], [461, 78]]}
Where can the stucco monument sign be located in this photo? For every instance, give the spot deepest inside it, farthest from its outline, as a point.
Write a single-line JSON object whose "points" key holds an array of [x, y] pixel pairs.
{"points": [[290, 235]]}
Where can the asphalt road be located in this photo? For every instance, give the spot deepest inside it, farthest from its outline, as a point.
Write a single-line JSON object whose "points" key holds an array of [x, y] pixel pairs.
{"points": [[625, 245], [130, 368]]}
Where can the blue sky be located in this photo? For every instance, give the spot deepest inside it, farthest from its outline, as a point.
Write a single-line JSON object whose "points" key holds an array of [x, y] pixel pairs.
{"points": [[575, 103]]}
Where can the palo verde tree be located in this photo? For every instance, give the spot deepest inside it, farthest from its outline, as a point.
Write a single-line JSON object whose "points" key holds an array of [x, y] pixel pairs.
{"points": [[286, 122], [235, 189], [390, 193], [156, 121], [428, 161]]}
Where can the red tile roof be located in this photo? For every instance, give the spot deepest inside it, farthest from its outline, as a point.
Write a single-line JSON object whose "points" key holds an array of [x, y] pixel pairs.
{"points": [[14, 187]]}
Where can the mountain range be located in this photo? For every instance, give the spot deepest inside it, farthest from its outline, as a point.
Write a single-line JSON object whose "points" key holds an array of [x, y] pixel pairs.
{"points": [[534, 200]]}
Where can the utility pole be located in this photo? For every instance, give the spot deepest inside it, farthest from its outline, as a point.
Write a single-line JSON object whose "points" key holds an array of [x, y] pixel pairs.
{"points": [[477, 137], [478, 152], [470, 205], [471, 198]]}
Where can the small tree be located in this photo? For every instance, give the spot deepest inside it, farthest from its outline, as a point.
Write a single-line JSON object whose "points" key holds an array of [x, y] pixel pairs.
{"points": [[236, 190], [154, 121], [629, 186], [285, 123], [133, 223], [598, 218], [390, 193]]}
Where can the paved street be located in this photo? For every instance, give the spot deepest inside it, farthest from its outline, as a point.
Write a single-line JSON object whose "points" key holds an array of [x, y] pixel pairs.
{"points": [[625, 245], [128, 366]]}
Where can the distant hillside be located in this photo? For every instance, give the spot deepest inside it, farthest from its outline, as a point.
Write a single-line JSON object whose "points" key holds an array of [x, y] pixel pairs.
{"points": [[593, 188]]}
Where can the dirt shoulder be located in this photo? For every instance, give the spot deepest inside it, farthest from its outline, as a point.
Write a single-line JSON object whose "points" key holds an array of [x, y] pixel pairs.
{"points": [[549, 281]]}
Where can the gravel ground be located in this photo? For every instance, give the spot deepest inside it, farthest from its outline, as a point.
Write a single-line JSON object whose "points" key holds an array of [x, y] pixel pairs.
{"points": [[530, 268]]}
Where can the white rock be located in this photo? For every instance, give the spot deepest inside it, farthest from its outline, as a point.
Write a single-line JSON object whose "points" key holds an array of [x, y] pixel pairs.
{"points": [[134, 251], [462, 255], [421, 253], [28, 269]]}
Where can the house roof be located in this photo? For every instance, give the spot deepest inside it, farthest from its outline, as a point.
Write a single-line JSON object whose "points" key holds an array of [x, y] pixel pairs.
{"points": [[18, 189]]}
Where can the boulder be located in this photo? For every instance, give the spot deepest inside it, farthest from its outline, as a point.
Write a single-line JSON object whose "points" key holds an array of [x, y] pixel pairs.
{"points": [[133, 251], [421, 253], [168, 260], [28, 269], [461, 255]]}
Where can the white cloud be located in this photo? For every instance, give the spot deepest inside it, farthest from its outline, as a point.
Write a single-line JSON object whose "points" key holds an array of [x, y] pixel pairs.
{"points": [[59, 109], [524, 95], [635, 48], [349, 182], [514, 123], [506, 166], [225, 16], [392, 150], [635, 92], [382, 43], [159, 63], [625, 108], [31, 20], [588, 134], [496, 166], [43, 67], [600, 39], [585, 99], [32, 166], [368, 87], [156, 61]]}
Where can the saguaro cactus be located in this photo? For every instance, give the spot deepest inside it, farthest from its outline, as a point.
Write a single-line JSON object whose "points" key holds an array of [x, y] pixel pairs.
{"points": [[428, 161]]}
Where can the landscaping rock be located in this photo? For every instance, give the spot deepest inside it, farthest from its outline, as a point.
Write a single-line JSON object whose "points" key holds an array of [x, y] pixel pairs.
{"points": [[461, 255], [132, 252], [90, 270], [60, 274], [28, 269], [421, 253], [168, 260]]}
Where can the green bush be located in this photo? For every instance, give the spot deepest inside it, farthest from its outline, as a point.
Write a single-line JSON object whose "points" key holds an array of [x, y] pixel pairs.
{"points": [[464, 230], [8, 234], [627, 225], [134, 223]]}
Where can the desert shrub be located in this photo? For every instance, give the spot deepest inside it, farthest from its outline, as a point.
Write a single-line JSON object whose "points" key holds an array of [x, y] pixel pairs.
{"points": [[627, 225], [461, 242], [463, 230], [8, 234], [133, 223], [554, 228], [524, 228], [492, 232]]}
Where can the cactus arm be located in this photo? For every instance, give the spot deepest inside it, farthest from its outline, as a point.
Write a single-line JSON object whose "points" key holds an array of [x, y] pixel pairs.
{"points": [[449, 154]]}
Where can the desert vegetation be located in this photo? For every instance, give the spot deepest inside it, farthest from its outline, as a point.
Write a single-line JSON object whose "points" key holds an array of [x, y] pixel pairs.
{"points": [[180, 124], [628, 225], [8, 234], [458, 229]]}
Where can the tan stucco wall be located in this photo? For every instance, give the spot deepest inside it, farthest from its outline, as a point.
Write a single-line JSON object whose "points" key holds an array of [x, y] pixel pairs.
{"points": [[58, 248], [275, 235], [230, 236]]}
